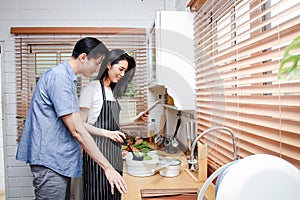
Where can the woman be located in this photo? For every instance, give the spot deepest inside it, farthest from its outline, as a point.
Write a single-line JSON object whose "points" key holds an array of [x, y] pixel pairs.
{"points": [[99, 106]]}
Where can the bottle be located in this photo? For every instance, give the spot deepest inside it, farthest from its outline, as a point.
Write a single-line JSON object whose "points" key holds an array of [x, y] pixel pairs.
{"points": [[152, 131]]}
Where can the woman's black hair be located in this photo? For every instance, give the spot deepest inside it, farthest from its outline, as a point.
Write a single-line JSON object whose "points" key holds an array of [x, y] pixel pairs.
{"points": [[93, 47], [113, 57]]}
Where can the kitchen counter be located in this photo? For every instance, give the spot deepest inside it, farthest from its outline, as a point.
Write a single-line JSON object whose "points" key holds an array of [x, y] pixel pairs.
{"points": [[135, 184]]}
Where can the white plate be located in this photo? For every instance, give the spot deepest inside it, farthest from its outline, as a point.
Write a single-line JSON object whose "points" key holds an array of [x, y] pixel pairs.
{"points": [[143, 174]]}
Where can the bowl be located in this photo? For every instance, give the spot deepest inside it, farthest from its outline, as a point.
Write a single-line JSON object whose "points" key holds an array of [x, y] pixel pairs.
{"points": [[172, 167], [141, 168]]}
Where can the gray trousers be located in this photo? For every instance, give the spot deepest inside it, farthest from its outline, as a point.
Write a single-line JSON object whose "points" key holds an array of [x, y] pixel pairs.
{"points": [[49, 185]]}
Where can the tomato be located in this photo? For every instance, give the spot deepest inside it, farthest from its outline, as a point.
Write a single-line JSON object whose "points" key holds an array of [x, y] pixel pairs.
{"points": [[132, 147]]}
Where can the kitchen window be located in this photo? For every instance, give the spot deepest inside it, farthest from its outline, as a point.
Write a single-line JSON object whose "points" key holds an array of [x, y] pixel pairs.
{"points": [[239, 45], [35, 53]]}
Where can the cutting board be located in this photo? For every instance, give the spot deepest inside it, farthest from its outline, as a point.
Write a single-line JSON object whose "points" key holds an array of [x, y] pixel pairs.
{"points": [[170, 194]]}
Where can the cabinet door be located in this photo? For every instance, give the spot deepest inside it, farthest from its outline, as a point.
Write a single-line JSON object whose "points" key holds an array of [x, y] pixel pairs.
{"points": [[175, 56]]}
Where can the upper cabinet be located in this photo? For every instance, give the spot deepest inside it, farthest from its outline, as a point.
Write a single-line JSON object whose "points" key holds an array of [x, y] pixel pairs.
{"points": [[171, 56]]}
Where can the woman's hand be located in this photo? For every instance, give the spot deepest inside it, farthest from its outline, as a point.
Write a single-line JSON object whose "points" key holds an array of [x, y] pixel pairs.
{"points": [[142, 118], [116, 136], [113, 135]]}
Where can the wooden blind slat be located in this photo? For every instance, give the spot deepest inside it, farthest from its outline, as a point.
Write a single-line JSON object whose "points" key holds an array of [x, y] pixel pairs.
{"points": [[52, 45], [238, 47]]}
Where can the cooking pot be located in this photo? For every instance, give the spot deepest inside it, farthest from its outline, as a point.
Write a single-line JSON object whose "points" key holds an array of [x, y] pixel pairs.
{"points": [[141, 168], [171, 169]]}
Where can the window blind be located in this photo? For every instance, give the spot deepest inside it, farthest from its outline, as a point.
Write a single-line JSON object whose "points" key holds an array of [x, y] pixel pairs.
{"points": [[238, 48], [36, 52]]}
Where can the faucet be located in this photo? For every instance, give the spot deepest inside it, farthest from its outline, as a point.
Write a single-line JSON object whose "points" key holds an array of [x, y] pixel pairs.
{"points": [[193, 161]]}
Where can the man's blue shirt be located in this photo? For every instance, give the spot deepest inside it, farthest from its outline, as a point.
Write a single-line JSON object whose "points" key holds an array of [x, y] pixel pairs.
{"points": [[45, 139]]}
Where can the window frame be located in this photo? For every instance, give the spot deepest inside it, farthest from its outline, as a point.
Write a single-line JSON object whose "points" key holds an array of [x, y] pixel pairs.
{"points": [[30, 41]]}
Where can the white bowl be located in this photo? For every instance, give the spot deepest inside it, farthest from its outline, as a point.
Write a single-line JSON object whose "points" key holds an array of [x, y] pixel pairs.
{"points": [[141, 168], [172, 169]]}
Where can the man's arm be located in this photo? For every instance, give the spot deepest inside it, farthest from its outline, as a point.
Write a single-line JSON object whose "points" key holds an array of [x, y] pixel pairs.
{"points": [[75, 126]]}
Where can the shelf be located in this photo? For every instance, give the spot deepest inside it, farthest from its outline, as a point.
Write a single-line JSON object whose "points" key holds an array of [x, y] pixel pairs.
{"points": [[154, 84], [170, 106]]}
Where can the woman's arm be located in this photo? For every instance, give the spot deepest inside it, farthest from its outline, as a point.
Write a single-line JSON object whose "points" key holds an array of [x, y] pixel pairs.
{"points": [[113, 135]]}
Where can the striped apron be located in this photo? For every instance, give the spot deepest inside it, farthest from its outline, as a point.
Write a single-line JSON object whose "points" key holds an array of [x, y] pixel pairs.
{"points": [[95, 183]]}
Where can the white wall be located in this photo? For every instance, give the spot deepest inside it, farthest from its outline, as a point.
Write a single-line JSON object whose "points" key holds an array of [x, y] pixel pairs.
{"points": [[2, 182], [43, 13]]}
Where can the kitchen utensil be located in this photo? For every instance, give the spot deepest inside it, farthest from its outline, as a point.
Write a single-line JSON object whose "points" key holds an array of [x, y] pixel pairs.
{"points": [[162, 165], [141, 168], [171, 170], [162, 124], [167, 141], [134, 157], [194, 130], [168, 168], [173, 139], [174, 142], [159, 140], [154, 171], [188, 135]]}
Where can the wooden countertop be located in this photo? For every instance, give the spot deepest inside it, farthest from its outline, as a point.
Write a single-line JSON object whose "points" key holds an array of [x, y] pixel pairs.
{"points": [[135, 184]]}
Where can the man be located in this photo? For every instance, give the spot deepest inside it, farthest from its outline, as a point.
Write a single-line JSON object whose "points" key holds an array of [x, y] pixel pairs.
{"points": [[53, 129]]}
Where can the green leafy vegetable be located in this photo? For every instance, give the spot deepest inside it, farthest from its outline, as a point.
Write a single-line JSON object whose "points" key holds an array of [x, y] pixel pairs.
{"points": [[137, 153], [293, 71], [148, 157], [144, 147]]}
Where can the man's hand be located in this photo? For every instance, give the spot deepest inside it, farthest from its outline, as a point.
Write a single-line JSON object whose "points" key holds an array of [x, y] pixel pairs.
{"points": [[116, 180]]}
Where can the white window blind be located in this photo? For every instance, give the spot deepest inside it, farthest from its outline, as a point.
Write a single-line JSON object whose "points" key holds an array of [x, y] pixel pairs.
{"points": [[238, 48], [35, 53]]}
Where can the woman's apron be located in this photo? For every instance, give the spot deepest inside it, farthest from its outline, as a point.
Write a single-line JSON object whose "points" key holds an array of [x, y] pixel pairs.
{"points": [[95, 184]]}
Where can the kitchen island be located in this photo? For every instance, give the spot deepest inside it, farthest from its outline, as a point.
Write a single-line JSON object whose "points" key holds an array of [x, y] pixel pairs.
{"points": [[180, 182]]}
